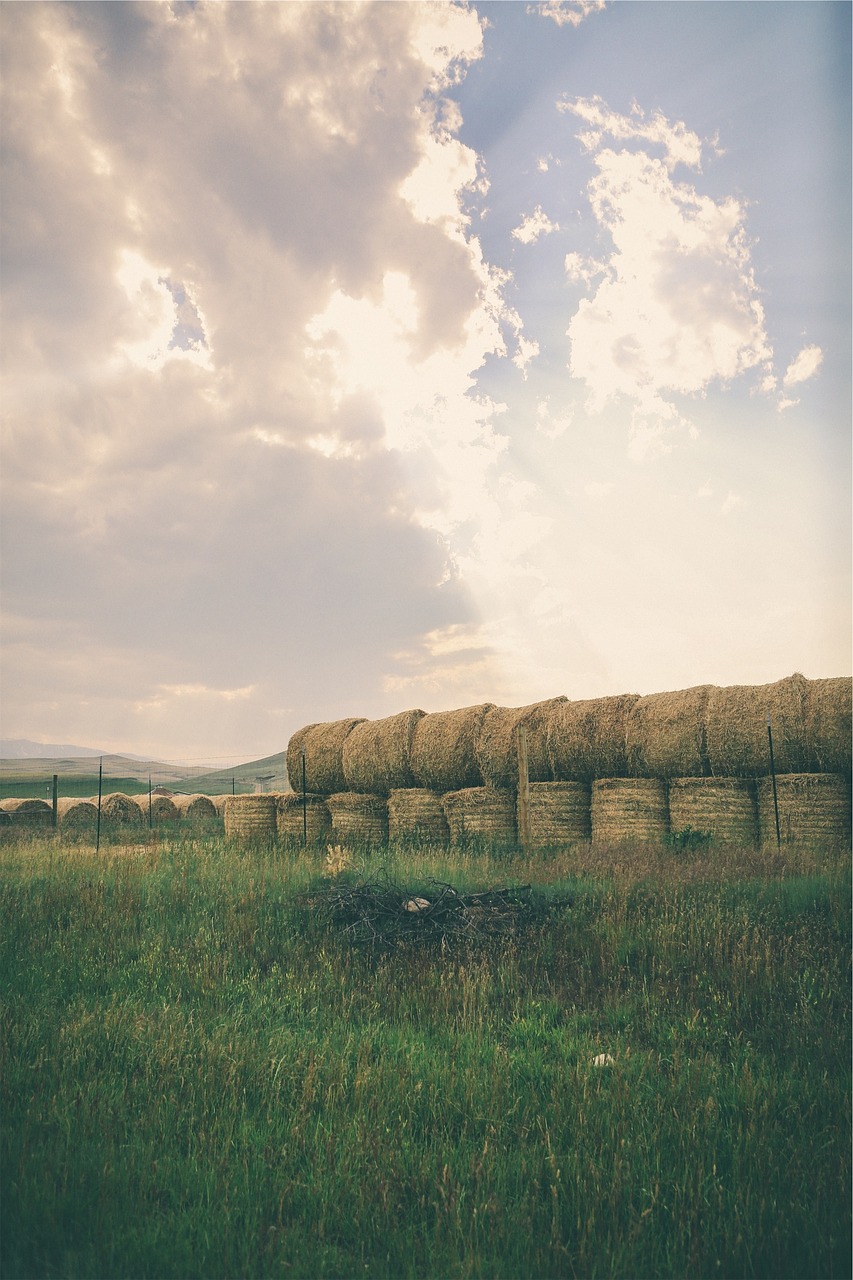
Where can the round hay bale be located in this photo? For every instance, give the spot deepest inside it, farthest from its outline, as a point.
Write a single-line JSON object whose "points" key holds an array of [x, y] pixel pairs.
{"points": [[723, 808], [357, 817], [586, 739], [323, 746], [197, 809], [829, 721], [293, 825], [377, 754], [443, 749], [496, 747], [628, 809], [736, 728], [24, 812], [250, 818], [117, 807], [74, 814], [416, 814], [558, 813], [814, 808], [161, 809], [665, 735], [484, 815], [218, 803]]}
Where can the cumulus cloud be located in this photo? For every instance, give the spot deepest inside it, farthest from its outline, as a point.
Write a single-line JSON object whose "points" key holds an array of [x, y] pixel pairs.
{"points": [[805, 366], [533, 225], [567, 12]]}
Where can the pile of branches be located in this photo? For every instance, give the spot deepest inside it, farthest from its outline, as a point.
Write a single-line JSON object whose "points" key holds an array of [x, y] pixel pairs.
{"points": [[382, 913]]}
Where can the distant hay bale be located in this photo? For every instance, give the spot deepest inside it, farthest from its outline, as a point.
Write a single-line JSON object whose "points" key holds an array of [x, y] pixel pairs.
{"points": [[416, 814], [218, 803], [250, 818], [723, 808], [736, 728], [74, 814], [377, 754], [814, 808], [293, 824], [483, 815], [496, 746], [117, 807], [558, 813], [586, 739], [162, 809], [358, 817], [323, 746], [196, 809], [665, 734], [443, 749], [28, 812], [829, 719], [628, 809]]}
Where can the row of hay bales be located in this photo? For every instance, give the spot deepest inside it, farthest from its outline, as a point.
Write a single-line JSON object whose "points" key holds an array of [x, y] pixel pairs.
{"points": [[702, 732], [76, 814], [812, 808]]}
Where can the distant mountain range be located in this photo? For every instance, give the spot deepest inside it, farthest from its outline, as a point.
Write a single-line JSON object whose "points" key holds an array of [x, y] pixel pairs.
{"points": [[25, 749], [22, 760]]}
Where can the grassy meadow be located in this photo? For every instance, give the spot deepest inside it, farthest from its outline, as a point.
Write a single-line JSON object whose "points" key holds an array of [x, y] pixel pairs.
{"points": [[203, 1077]]}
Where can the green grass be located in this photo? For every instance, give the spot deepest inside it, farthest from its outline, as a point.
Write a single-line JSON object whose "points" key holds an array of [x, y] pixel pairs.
{"points": [[199, 1078]]}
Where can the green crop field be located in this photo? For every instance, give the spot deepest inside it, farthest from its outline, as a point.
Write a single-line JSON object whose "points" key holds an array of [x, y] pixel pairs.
{"points": [[204, 1076]]}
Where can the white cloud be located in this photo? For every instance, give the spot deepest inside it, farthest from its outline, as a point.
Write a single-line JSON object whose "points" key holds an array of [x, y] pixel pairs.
{"points": [[567, 12], [533, 225], [805, 366]]}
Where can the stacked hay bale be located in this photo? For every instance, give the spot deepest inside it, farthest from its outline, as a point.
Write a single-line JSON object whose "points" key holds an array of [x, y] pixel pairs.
{"points": [[323, 746], [443, 749], [665, 735], [120, 809], [416, 814], [295, 822], [196, 809], [496, 745], [736, 728], [586, 739], [218, 803], [75, 815], [481, 815], [157, 809], [558, 813], [31, 813], [814, 808], [250, 819], [377, 754], [829, 725], [723, 808], [359, 818], [628, 809]]}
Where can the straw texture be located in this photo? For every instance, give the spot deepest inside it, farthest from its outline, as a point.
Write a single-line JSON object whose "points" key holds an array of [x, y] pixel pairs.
{"points": [[377, 754], [195, 808], [163, 809], [218, 803], [665, 734], [724, 808], [358, 817], [250, 818], [443, 749], [294, 826], [814, 808], [323, 746], [628, 809], [496, 746], [117, 807], [73, 814], [586, 739], [559, 813], [416, 814], [736, 728], [481, 814], [829, 717], [28, 812]]}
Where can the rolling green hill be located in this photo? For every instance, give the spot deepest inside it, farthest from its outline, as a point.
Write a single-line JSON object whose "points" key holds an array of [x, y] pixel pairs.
{"points": [[78, 776]]}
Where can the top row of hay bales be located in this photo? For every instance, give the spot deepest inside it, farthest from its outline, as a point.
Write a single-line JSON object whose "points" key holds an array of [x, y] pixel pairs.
{"points": [[704, 731]]}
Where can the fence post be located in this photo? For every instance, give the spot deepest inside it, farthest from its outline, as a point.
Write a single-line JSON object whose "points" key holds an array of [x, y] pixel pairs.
{"points": [[523, 790], [55, 800], [100, 792], [773, 776]]}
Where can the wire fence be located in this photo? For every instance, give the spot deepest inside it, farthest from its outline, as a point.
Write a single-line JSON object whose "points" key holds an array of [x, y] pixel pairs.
{"points": [[82, 778]]}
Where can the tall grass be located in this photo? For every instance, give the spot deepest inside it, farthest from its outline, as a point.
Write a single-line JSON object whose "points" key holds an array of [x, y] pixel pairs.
{"points": [[201, 1078]]}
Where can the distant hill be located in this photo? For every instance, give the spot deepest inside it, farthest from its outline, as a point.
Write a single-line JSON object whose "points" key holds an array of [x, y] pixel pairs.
{"points": [[25, 749], [131, 773]]}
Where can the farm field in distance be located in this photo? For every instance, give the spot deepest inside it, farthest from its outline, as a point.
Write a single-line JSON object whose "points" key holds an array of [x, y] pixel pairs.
{"points": [[204, 1075]]}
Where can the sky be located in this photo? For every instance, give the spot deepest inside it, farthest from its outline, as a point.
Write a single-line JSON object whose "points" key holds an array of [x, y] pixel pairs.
{"points": [[361, 357]]}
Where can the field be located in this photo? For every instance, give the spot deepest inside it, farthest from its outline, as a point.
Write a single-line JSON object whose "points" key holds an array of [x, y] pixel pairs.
{"points": [[203, 1076]]}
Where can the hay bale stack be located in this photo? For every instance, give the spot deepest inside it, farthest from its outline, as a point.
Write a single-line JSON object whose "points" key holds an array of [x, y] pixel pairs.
{"points": [[358, 817], [586, 739], [724, 808], [377, 754], [444, 749], [293, 824], [829, 717], [814, 808], [218, 803], [74, 814], [665, 734], [736, 728], [161, 809], [323, 745], [628, 809], [558, 813], [117, 807], [250, 818], [496, 747], [28, 812], [197, 809], [484, 815], [416, 814]]}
